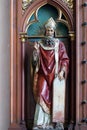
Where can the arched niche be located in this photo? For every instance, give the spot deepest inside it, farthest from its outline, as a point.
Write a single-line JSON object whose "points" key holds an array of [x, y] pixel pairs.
{"points": [[33, 22], [21, 94], [57, 4]]}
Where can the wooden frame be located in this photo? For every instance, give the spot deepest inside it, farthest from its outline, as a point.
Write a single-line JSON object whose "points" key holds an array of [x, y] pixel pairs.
{"points": [[18, 24]]}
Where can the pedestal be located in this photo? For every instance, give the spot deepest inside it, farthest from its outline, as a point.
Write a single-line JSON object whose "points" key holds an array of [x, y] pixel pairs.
{"points": [[17, 127], [81, 127]]}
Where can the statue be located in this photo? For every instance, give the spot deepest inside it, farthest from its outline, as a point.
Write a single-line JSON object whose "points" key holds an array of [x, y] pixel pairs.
{"points": [[50, 60]]}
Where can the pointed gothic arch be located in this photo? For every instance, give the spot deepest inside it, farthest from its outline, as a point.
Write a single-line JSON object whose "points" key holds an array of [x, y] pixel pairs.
{"points": [[69, 16], [19, 21], [56, 3]]}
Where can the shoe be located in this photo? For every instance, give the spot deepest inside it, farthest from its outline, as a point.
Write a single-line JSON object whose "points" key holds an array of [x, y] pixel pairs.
{"points": [[39, 127], [59, 126], [49, 127], [35, 128]]}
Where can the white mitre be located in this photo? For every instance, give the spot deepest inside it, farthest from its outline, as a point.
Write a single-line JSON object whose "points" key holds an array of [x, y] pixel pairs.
{"points": [[50, 23]]}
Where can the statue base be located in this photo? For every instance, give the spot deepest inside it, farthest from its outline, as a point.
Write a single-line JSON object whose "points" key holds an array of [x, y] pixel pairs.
{"points": [[82, 126]]}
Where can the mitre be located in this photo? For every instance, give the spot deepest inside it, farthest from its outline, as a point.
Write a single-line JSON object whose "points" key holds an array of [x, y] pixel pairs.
{"points": [[50, 23]]}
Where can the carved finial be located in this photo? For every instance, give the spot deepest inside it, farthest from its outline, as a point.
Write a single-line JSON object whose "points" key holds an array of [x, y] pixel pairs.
{"points": [[25, 4], [69, 3]]}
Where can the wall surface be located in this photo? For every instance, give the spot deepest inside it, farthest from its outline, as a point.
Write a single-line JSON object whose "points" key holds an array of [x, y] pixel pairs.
{"points": [[4, 64]]}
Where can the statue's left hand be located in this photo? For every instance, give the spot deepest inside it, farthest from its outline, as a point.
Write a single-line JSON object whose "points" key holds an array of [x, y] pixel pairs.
{"points": [[61, 75]]}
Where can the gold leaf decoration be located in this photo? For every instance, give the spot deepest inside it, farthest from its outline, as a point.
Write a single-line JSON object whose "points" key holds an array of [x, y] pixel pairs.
{"points": [[69, 3], [25, 4]]}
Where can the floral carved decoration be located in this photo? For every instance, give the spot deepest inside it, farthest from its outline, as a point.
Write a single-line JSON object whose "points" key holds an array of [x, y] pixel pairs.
{"points": [[69, 3], [25, 4]]}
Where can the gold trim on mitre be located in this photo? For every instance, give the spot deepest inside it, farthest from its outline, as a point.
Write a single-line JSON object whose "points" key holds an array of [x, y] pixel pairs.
{"points": [[50, 23]]}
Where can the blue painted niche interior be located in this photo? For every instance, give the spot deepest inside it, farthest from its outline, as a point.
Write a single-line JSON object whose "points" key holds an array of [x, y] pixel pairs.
{"points": [[44, 13]]}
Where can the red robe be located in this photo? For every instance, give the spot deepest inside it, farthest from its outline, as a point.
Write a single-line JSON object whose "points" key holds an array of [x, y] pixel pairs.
{"points": [[45, 75]]}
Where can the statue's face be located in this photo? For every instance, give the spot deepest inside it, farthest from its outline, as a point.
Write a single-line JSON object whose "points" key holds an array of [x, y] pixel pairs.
{"points": [[49, 32]]}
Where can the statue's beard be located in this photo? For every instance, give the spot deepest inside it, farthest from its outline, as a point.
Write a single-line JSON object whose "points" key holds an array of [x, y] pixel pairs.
{"points": [[49, 41], [50, 36]]}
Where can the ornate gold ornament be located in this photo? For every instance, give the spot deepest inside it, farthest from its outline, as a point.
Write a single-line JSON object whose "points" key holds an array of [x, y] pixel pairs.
{"points": [[23, 37], [72, 35], [25, 4], [69, 3]]}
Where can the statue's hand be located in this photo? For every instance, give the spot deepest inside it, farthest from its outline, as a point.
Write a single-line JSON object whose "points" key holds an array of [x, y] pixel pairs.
{"points": [[35, 55], [36, 46], [36, 52], [61, 75]]}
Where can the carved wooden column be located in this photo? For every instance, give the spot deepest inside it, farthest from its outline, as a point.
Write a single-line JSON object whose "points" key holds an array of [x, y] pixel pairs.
{"points": [[73, 75], [23, 40], [81, 40], [72, 80], [16, 69], [83, 125], [14, 125]]}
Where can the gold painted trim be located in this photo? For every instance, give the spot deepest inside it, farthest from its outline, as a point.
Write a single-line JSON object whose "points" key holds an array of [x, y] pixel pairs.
{"points": [[64, 22], [60, 14], [70, 4], [59, 19], [46, 47], [38, 36], [44, 106], [72, 35], [33, 21], [23, 37], [25, 4], [35, 12], [39, 100]]}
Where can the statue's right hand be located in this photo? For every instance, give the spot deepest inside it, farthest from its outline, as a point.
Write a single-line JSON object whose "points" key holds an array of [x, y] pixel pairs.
{"points": [[36, 45], [35, 55]]}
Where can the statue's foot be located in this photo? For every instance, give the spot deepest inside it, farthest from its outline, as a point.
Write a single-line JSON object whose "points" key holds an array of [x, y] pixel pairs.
{"points": [[43, 127], [49, 127], [35, 128], [59, 126], [39, 127]]}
